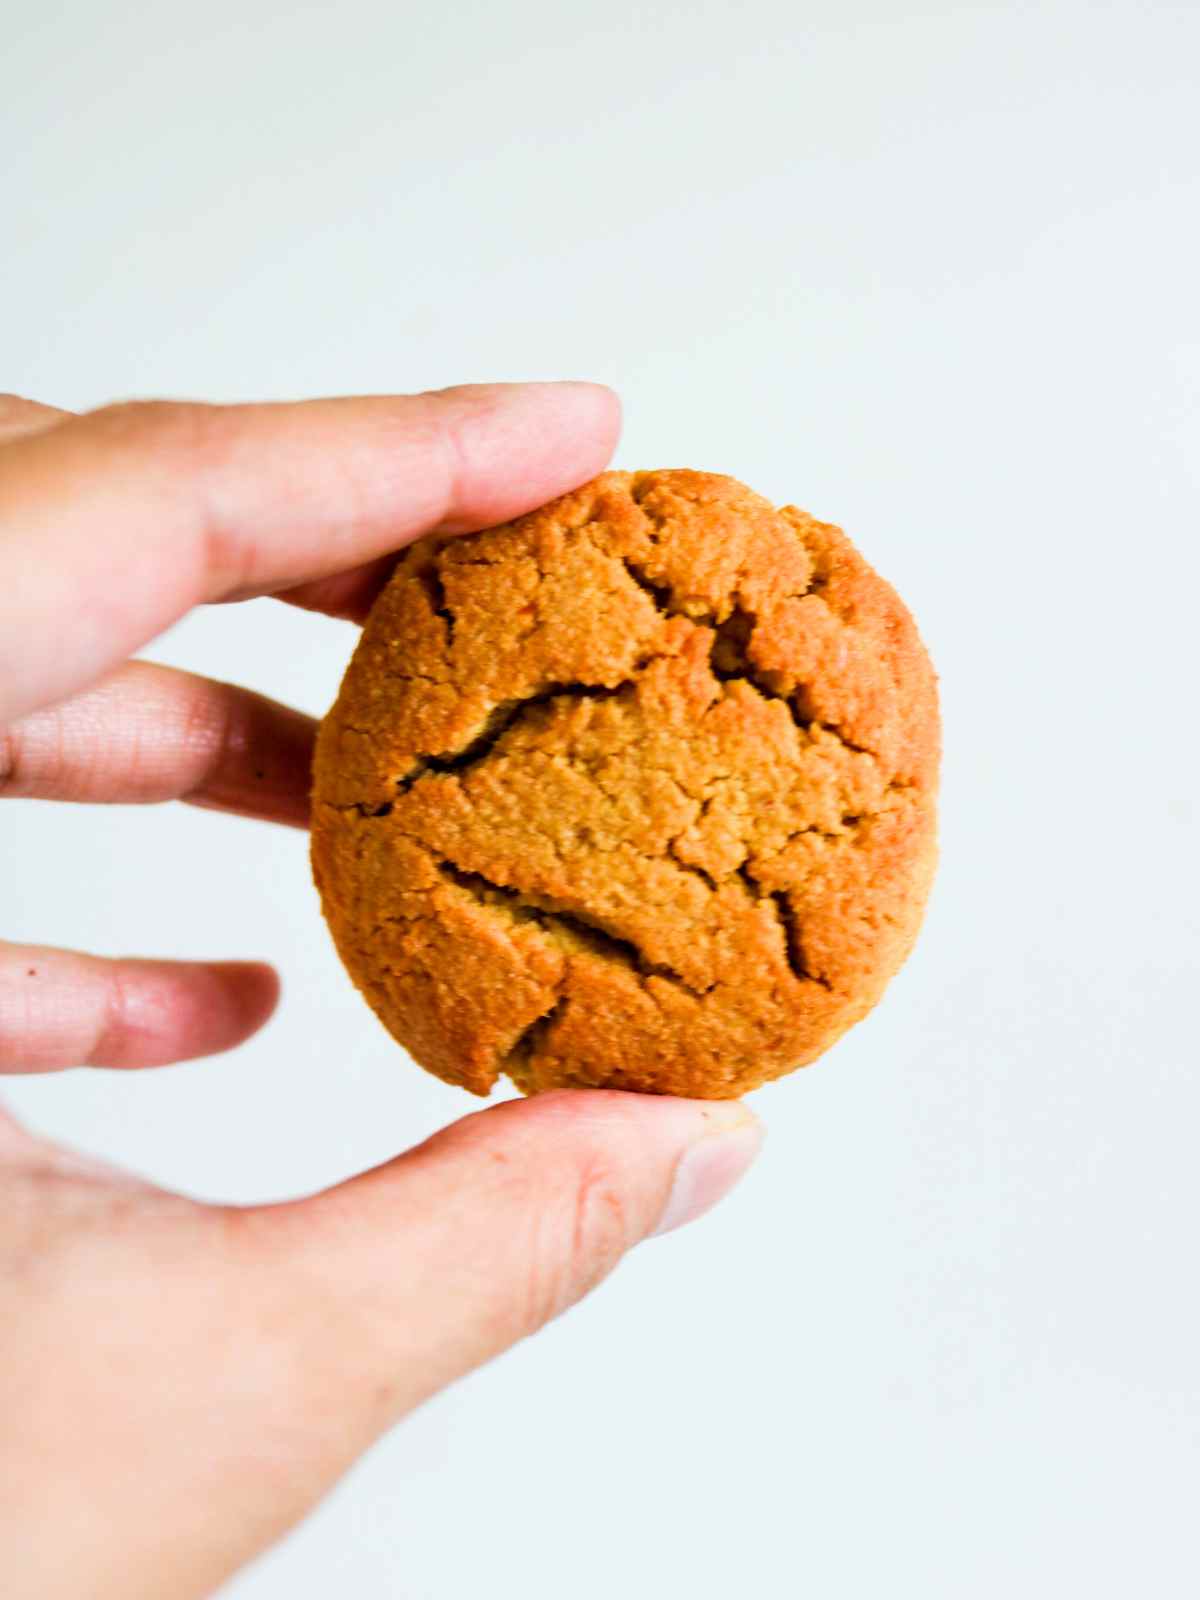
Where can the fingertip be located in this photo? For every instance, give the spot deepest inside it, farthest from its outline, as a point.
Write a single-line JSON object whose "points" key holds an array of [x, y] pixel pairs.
{"points": [[595, 411], [696, 1151], [591, 410], [252, 991], [518, 445], [670, 1118], [596, 401], [672, 1158], [592, 401], [167, 1011], [600, 413], [708, 1169]]}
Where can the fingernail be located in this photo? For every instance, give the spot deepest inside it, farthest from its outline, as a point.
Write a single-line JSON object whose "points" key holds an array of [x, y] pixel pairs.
{"points": [[710, 1167]]}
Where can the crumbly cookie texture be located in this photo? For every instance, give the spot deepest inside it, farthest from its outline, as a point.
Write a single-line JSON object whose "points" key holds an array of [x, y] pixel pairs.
{"points": [[636, 792]]}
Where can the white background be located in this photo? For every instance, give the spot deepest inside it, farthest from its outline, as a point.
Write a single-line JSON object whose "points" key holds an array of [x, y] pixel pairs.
{"points": [[930, 271]]}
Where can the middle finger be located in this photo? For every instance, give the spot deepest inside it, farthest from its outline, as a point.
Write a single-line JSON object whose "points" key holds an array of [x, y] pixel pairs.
{"points": [[147, 733]]}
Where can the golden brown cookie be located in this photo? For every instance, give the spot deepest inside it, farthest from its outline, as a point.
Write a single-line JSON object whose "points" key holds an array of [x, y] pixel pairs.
{"points": [[635, 792]]}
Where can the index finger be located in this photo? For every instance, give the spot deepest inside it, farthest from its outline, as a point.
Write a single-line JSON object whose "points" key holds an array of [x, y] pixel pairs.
{"points": [[113, 524]]}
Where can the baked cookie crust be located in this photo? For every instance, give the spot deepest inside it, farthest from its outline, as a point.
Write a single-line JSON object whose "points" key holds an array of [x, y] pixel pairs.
{"points": [[636, 792]]}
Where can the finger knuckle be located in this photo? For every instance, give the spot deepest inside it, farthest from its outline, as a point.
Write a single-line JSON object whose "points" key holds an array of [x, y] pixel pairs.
{"points": [[592, 1231], [179, 427]]}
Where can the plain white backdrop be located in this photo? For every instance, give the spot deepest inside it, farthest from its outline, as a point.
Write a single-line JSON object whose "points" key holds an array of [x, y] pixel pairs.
{"points": [[929, 271]]}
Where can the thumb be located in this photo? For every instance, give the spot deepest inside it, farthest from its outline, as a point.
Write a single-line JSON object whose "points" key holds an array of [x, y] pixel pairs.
{"points": [[417, 1271]]}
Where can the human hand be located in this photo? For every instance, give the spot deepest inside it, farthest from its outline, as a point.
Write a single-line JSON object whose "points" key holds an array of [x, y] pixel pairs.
{"points": [[179, 1383]]}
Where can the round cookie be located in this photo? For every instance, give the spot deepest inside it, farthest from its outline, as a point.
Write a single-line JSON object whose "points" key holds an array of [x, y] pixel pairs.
{"points": [[636, 792]]}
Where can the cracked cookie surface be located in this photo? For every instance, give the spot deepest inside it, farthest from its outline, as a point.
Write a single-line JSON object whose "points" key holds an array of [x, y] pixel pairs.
{"points": [[635, 792]]}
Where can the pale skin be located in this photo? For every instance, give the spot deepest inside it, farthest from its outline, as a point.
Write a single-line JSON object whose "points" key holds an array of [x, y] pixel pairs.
{"points": [[180, 1383]]}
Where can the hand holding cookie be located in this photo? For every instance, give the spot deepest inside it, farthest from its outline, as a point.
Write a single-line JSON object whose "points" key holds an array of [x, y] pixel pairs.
{"points": [[279, 1341]]}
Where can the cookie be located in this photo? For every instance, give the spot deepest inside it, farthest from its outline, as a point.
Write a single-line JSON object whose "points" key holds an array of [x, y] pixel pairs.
{"points": [[635, 792]]}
